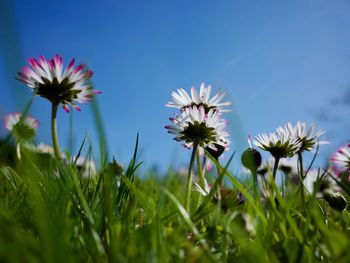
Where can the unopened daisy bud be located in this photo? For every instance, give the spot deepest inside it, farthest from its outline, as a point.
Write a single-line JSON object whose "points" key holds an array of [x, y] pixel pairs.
{"points": [[251, 159], [23, 128], [335, 200]]}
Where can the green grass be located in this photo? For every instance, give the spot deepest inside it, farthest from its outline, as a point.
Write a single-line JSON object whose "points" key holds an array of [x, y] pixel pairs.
{"points": [[51, 212]]}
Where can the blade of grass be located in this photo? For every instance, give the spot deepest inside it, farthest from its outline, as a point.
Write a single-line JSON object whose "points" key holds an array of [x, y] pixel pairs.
{"points": [[189, 222]]}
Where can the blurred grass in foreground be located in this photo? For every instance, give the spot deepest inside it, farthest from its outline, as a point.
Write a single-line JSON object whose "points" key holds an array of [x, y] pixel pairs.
{"points": [[53, 211]]}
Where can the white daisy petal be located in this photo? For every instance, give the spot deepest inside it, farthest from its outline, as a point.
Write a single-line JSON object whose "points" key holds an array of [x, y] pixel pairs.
{"points": [[182, 100]]}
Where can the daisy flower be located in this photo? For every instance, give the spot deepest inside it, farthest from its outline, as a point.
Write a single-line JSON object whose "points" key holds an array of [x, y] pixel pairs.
{"points": [[23, 128], [228, 197], [194, 125], [86, 166], [68, 86], [205, 190], [48, 79], [308, 136], [279, 144], [341, 159], [182, 100], [44, 149]]}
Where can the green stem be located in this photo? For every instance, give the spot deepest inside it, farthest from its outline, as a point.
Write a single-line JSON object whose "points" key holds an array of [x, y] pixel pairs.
{"points": [[275, 168], [200, 170], [18, 151], [301, 178], [189, 178], [200, 175], [219, 185], [255, 182], [56, 146]]}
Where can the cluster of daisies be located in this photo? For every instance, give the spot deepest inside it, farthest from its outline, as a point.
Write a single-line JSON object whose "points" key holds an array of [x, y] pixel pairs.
{"points": [[290, 140], [199, 120]]}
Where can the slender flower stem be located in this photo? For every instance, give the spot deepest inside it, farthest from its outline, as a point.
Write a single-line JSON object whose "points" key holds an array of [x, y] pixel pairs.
{"points": [[200, 170], [255, 182], [301, 178], [189, 178], [275, 168], [56, 146], [18, 151]]}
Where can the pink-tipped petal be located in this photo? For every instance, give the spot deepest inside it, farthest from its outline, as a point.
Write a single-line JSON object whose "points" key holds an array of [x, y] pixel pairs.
{"points": [[77, 108], [88, 74], [22, 75], [27, 71], [249, 141], [78, 68], [66, 109], [71, 63]]}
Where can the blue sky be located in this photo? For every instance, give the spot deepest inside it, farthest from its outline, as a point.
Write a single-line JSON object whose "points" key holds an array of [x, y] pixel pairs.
{"points": [[278, 61]]}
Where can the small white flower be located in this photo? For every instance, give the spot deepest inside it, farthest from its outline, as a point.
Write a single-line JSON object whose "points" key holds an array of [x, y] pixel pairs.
{"points": [[308, 136], [44, 149], [317, 174], [341, 159], [203, 191], [22, 128], [181, 99], [194, 125], [280, 144], [87, 166]]}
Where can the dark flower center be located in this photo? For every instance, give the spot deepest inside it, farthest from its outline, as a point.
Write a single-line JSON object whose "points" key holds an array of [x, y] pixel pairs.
{"points": [[57, 92], [306, 145], [198, 132], [280, 150]]}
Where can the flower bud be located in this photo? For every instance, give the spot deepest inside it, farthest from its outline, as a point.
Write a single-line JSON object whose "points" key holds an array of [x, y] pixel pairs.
{"points": [[216, 154], [335, 200], [251, 159]]}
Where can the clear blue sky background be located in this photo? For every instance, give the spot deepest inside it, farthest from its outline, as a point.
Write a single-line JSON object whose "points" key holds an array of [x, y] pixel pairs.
{"points": [[278, 61]]}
